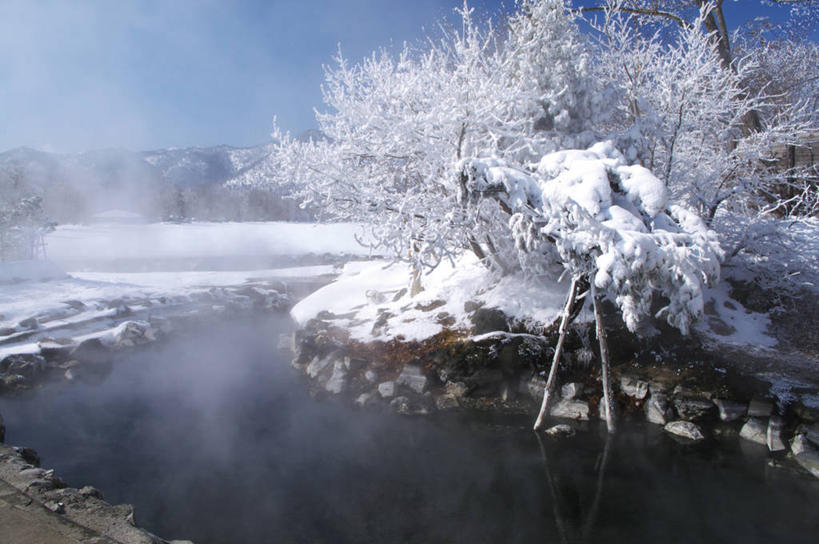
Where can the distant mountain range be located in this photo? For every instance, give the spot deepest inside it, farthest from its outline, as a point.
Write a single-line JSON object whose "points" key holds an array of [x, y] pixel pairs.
{"points": [[75, 186]]}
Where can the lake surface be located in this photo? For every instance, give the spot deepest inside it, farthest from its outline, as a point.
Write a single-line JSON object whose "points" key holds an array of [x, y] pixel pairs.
{"points": [[212, 438]]}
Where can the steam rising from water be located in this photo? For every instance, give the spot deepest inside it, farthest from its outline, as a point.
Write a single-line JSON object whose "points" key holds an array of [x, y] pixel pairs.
{"points": [[214, 439]]}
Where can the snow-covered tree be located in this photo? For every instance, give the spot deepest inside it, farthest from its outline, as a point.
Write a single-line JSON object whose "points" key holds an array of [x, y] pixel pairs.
{"points": [[22, 227], [396, 127], [686, 117], [484, 141], [607, 223]]}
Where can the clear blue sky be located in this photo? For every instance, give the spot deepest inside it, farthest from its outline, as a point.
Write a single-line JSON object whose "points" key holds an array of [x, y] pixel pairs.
{"points": [[85, 74]]}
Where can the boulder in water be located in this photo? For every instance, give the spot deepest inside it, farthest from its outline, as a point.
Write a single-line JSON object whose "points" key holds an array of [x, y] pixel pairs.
{"points": [[755, 430], [571, 409], [685, 429], [730, 411]]}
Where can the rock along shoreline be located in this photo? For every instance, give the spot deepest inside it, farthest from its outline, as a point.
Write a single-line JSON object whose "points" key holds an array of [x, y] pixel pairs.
{"points": [[694, 393]]}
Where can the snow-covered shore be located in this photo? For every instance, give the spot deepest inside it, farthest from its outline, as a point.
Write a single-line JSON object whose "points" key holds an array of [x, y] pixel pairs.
{"points": [[40, 301]]}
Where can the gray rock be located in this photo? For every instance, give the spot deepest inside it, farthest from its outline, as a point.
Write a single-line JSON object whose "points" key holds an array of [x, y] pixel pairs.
{"points": [[338, 379], [809, 461], [691, 409], [729, 410], [354, 363], [471, 305], [132, 333], [29, 455], [56, 507], [411, 377], [89, 491], [386, 389], [488, 320], [760, 408], [773, 436], [27, 365], [317, 365], [799, 444], [559, 430], [685, 429], [10, 381], [571, 409], [370, 376], [56, 349], [365, 399], [755, 430], [657, 409], [447, 401], [28, 324], [634, 388], [571, 390], [456, 389], [812, 432]]}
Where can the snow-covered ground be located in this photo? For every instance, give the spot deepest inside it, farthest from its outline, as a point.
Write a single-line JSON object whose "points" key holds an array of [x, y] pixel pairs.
{"points": [[377, 292], [39, 299]]}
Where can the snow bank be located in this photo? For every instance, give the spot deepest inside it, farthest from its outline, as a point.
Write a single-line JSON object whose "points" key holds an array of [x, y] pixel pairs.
{"points": [[19, 271], [372, 302], [729, 322]]}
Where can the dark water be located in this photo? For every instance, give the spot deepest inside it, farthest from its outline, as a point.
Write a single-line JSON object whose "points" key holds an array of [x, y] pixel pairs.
{"points": [[213, 439]]}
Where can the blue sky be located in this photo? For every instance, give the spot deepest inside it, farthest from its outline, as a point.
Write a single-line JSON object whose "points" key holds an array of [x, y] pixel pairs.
{"points": [[86, 74]]}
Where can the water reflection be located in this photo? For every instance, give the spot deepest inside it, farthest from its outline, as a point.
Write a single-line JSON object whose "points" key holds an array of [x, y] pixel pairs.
{"points": [[573, 524]]}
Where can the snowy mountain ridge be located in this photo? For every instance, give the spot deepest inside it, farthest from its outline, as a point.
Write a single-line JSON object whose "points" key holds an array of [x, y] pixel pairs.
{"points": [[75, 186], [175, 166]]}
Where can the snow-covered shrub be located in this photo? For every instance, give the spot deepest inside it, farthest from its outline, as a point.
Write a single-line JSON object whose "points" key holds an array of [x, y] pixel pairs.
{"points": [[612, 222]]}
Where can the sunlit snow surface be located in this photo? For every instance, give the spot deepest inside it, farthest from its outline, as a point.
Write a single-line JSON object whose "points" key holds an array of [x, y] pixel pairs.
{"points": [[363, 293]]}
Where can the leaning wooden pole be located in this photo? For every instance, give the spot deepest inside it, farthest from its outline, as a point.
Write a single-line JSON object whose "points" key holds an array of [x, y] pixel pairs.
{"points": [[550, 381], [608, 406]]}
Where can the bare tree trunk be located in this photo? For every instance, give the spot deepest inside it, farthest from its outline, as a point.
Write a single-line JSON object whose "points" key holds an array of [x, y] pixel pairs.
{"points": [[550, 381], [608, 406], [415, 281]]}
